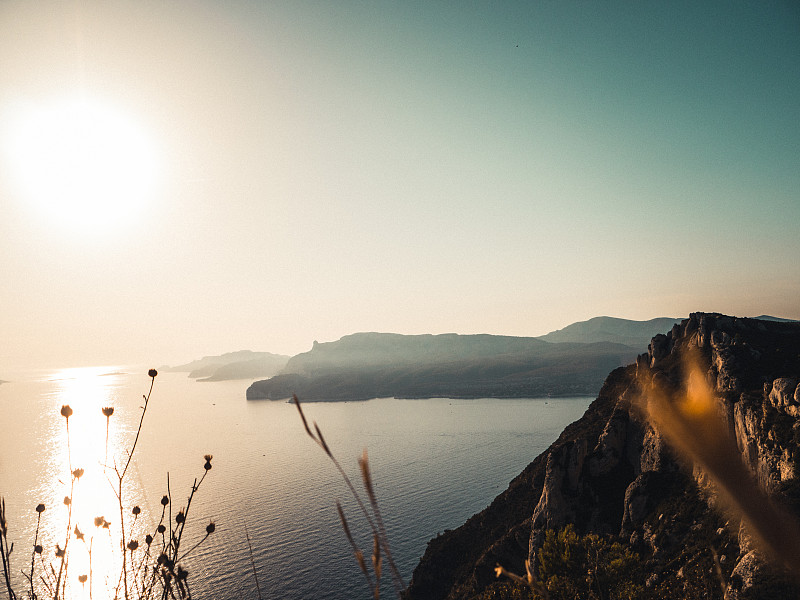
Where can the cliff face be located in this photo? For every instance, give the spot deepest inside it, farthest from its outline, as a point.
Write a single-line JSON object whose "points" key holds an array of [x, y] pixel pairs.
{"points": [[612, 474]]}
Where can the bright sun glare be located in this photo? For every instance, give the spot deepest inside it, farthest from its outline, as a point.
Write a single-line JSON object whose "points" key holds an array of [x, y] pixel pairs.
{"points": [[82, 163]]}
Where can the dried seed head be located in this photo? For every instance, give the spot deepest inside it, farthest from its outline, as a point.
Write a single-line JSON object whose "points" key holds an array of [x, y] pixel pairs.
{"points": [[148, 539], [152, 373], [376, 548], [180, 518], [136, 510], [344, 524], [40, 508], [66, 411], [529, 572], [83, 578], [108, 411], [182, 573], [98, 521], [77, 473], [38, 548], [377, 560], [360, 560], [210, 528], [133, 545], [164, 500], [321, 440], [161, 529], [59, 552], [208, 458], [67, 500], [78, 533], [363, 463]]}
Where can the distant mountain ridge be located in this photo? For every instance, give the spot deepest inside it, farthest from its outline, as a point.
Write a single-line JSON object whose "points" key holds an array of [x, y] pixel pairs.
{"points": [[636, 334], [572, 361], [390, 364], [243, 364], [370, 350], [369, 365], [775, 319]]}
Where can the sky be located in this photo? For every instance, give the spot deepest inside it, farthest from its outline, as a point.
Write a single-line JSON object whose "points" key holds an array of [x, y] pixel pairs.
{"points": [[190, 178]]}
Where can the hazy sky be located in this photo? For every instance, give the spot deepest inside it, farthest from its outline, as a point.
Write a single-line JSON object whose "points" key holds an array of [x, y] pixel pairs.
{"points": [[278, 172]]}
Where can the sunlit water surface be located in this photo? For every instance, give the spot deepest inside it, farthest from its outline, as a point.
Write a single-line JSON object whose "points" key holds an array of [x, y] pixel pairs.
{"points": [[435, 463]]}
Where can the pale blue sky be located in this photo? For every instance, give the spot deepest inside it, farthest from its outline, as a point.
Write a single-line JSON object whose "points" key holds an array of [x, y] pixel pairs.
{"points": [[332, 167]]}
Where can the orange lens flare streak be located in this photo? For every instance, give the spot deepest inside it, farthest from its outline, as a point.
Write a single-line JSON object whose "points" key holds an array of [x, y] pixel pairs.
{"points": [[691, 421]]}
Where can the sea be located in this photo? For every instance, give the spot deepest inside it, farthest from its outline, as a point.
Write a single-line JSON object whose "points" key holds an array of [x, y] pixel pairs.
{"points": [[271, 492]]}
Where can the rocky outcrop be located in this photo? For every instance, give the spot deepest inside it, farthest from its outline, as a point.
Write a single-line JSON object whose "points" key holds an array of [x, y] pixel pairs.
{"points": [[612, 474]]}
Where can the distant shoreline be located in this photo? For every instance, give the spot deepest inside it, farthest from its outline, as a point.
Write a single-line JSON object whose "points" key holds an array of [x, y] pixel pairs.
{"points": [[333, 400]]}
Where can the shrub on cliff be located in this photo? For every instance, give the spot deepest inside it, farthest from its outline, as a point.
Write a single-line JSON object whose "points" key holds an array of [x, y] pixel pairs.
{"points": [[588, 566]]}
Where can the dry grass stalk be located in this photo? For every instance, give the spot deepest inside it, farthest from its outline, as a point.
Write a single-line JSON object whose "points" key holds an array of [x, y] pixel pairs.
{"points": [[252, 561], [5, 549], [374, 519], [529, 580]]}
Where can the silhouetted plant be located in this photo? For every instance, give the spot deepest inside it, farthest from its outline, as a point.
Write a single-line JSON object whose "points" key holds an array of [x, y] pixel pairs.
{"points": [[380, 545], [148, 570]]}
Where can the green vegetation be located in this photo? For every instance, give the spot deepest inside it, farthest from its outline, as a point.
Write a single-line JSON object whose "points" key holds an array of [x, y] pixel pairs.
{"points": [[573, 566], [588, 566]]}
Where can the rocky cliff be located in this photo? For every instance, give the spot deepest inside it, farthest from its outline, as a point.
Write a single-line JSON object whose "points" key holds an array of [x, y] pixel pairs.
{"points": [[612, 474]]}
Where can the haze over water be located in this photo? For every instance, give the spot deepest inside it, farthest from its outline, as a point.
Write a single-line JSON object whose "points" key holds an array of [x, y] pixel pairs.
{"points": [[435, 463], [186, 179]]}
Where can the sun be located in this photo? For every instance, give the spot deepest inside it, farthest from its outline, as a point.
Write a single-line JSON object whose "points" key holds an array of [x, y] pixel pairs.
{"points": [[82, 163]]}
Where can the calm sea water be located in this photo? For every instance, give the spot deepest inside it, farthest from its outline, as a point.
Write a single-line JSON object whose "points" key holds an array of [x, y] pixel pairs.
{"points": [[435, 463]]}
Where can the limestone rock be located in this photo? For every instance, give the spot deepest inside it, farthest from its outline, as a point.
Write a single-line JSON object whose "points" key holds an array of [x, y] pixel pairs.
{"points": [[659, 349], [562, 474], [783, 394], [611, 471], [611, 444], [639, 502]]}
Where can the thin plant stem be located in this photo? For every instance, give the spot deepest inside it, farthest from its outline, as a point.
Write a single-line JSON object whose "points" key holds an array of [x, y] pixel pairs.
{"points": [[69, 449], [356, 551], [108, 423], [141, 420], [122, 528], [363, 463], [121, 477], [33, 554], [64, 565], [5, 550], [252, 562], [91, 578]]}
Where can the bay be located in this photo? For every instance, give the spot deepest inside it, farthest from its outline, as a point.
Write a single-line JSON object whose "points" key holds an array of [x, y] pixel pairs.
{"points": [[435, 463]]}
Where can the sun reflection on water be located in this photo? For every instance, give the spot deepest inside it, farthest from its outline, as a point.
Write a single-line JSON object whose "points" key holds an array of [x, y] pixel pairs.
{"points": [[88, 450]]}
